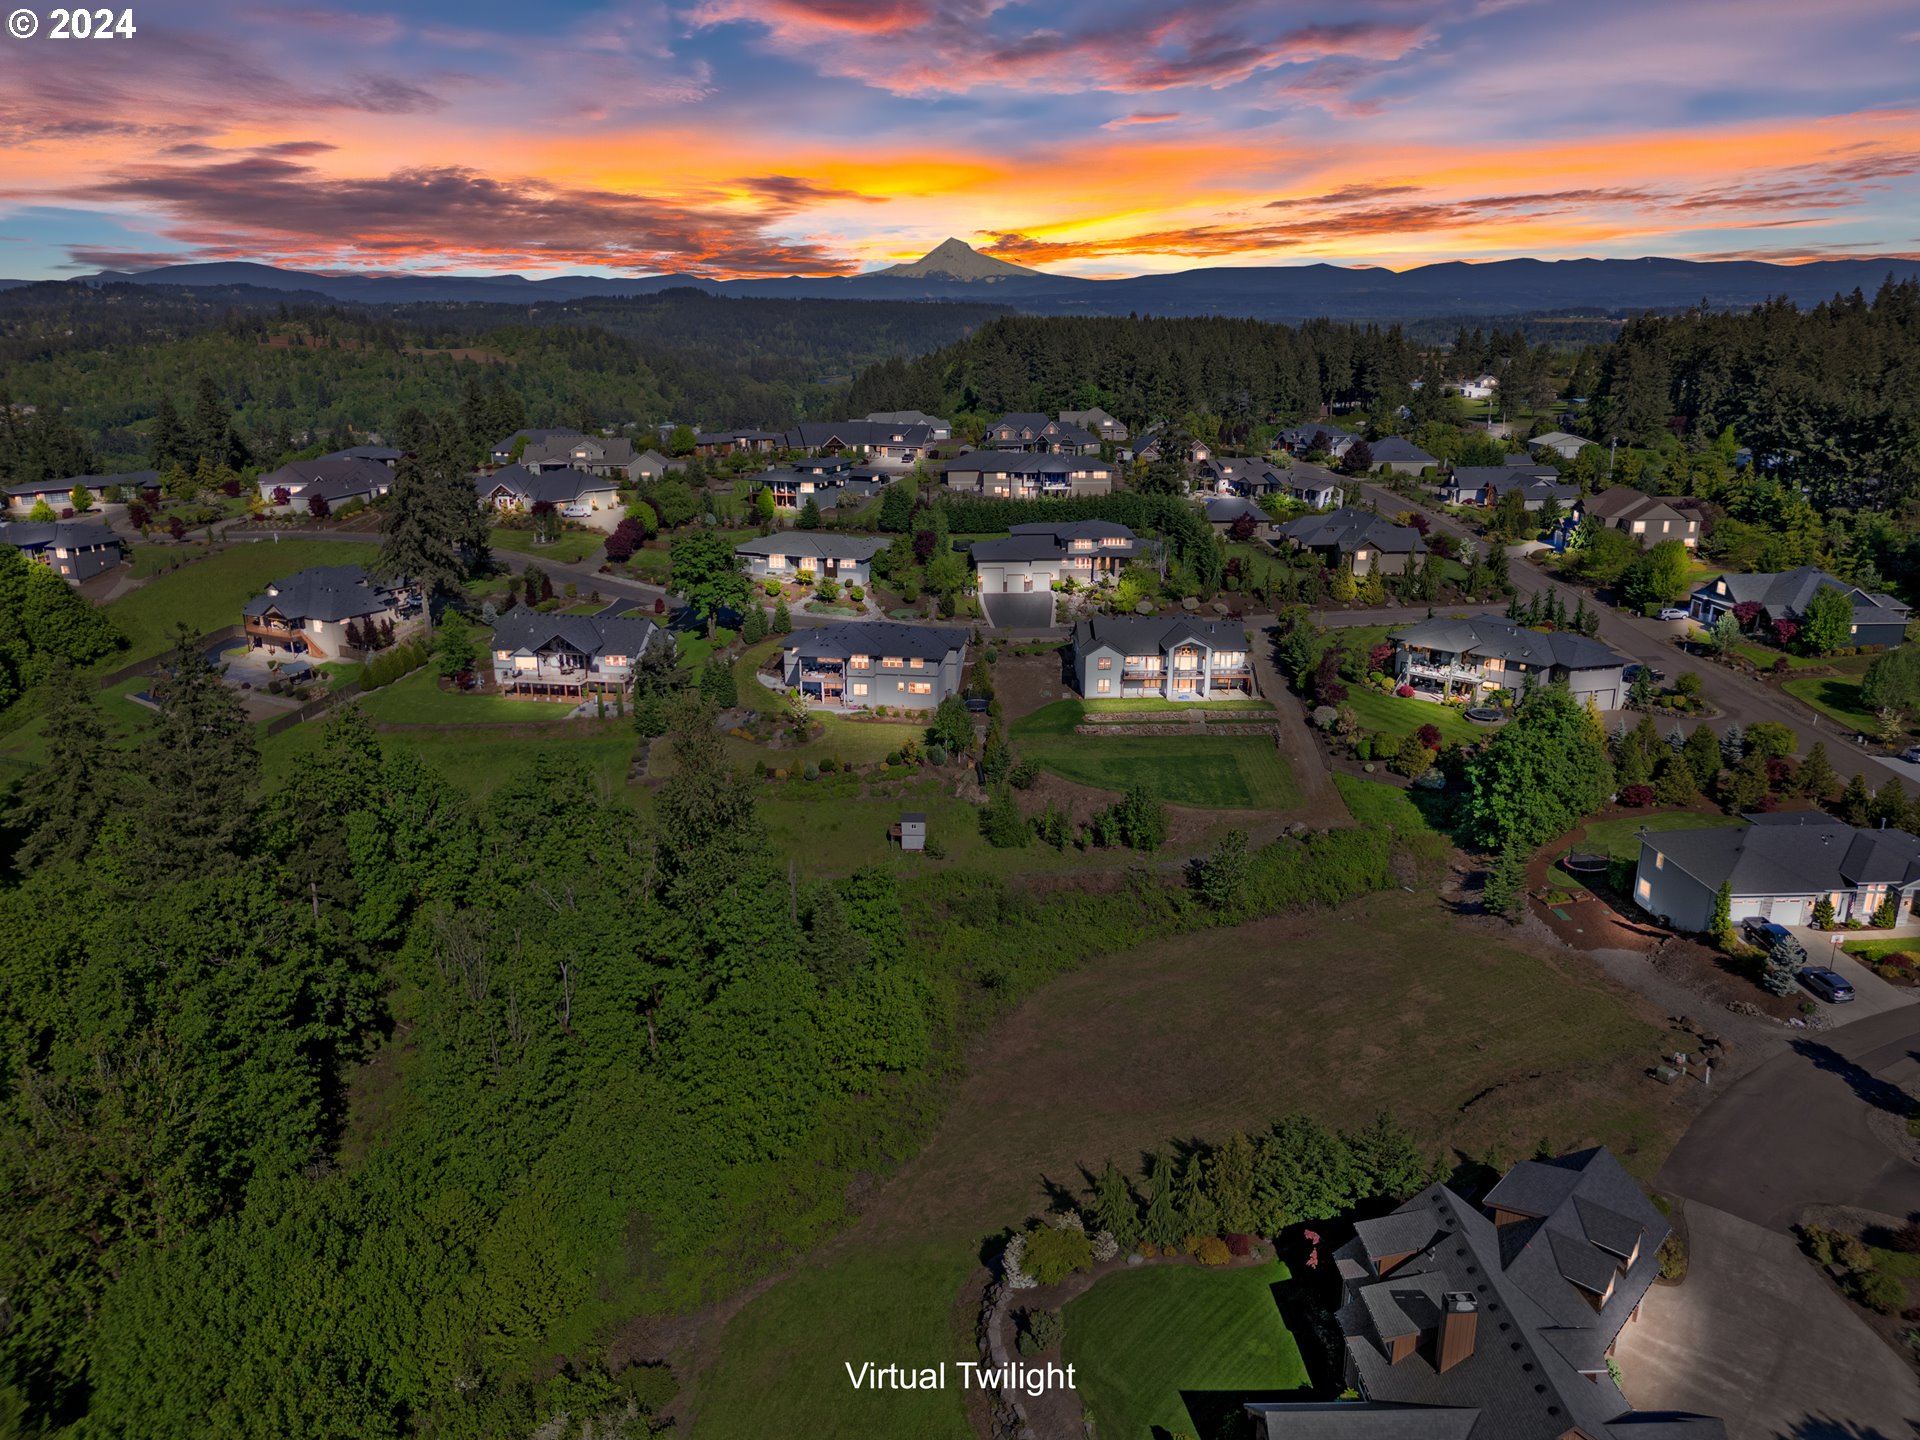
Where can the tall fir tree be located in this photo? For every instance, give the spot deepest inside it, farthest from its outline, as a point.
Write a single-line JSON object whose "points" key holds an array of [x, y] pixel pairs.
{"points": [[60, 806], [199, 765]]}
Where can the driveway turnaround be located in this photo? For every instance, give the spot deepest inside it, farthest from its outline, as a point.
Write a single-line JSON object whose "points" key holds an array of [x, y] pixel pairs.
{"points": [[1756, 1336]]}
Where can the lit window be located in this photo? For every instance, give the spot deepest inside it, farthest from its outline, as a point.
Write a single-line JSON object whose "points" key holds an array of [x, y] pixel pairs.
{"points": [[859, 662], [1643, 890], [1659, 861], [503, 654], [1105, 686], [1106, 662], [892, 662], [919, 687], [859, 687], [613, 659], [914, 663]]}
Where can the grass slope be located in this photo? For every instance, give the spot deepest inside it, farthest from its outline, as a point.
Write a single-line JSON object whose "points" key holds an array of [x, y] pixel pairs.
{"points": [[418, 700], [1234, 772], [1141, 1337], [1837, 698], [570, 548]]}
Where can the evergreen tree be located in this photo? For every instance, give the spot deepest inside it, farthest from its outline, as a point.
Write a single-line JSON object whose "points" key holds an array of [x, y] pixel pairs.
{"points": [[434, 529], [60, 806], [198, 767], [1388, 1159], [1114, 1209], [1673, 782], [1192, 1199], [1733, 744], [1162, 1224], [1856, 803], [1230, 1183], [753, 626], [1703, 754], [896, 510], [1890, 807], [1721, 926], [809, 515], [167, 443], [782, 621], [1817, 778], [1505, 891]]}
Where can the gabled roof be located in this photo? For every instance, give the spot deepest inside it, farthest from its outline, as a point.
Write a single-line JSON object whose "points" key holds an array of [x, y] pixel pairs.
{"points": [[1076, 529], [1225, 509], [1792, 853], [131, 480], [527, 630], [1790, 592], [531, 487], [1024, 462], [325, 592], [877, 637], [57, 534], [1394, 450], [1623, 503], [347, 476], [907, 417], [382, 453], [595, 449], [1491, 635], [1534, 481], [1022, 420], [502, 447], [1349, 529], [811, 544], [812, 434]]}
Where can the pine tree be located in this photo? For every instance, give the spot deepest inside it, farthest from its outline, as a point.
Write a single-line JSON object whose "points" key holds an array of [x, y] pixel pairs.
{"points": [[1230, 1183], [1673, 782], [1342, 588], [1816, 778], [1890, 807], [1721, 927], [1114, 1208], [753, 626], [1677, 740], [782, 621], [1192, 1200], [167, 444], [1505, 891], [1703, 754], [1856, 803], [1162, 1226], [199, 765], [59, 806], [1733, 744], [434, 529]]}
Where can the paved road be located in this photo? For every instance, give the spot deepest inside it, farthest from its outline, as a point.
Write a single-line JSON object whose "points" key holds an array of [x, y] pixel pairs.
{"points": [[1739, 697], [1757, 1337], [1794, 1132]]}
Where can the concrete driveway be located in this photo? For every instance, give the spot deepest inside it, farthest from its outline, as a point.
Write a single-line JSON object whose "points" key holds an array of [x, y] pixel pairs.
{"points": [[1872, 995], [1756, 1336]]}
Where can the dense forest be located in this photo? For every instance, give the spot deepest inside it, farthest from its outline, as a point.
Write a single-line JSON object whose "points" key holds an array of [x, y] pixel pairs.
{"points": [[104, 357], [629, 1065]]}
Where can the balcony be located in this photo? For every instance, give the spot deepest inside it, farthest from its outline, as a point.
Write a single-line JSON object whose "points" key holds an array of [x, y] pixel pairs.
{"points": [[1432, 671]]}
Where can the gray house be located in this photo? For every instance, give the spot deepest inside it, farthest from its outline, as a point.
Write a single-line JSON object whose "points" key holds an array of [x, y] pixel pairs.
{"points": [[1359, 539], [1098, 421], [1402, 457], [336, 481], [862, 663], [1877, 619], [1174, 658], [58, 494], [1024, 475], [587, 498], [74, 550], [1038, 556], [1465, 659], [1489, 484], [310, 611], [783, 555], [571, 658], [1777, 867], [1495, 1321]]}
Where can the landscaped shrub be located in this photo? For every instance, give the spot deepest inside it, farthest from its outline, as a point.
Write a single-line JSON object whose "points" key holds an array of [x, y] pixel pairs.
{"points": [[1105, 1247], [1051, 1255], [1881, 1292], [1886, 914], [1239, 1244], [1041, 1331], [893, 757], [1023, 775], [1013, 1264], [1208, 1249], [1002, 824], [1636, 796], [1905, 1239], [812, 772], [936, 755]]}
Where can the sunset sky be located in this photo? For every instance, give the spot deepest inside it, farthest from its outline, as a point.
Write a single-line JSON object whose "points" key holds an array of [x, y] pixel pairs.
{"points": [[1091, 137]]}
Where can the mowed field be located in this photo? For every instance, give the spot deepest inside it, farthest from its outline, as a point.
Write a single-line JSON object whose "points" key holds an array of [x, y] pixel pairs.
{"points": [[1232, 772], [1480, 1044]]}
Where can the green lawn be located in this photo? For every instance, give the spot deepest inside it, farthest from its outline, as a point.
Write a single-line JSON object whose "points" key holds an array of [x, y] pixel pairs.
{"points": [[653, 566], [782, 1362], [209, 593], [753, 695], [151, 559], [1380, 806], [1154, 704], [1393, 715], [1872, 951], [1620, 838], [1141, 1337], [1765, 655], [418, 700], [478, 761], [571, 548], [1836, 697], [694, 646], [1235, 772]]}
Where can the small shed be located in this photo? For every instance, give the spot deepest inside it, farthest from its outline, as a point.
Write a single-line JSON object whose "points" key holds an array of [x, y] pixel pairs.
{"points": [[911, 832]]}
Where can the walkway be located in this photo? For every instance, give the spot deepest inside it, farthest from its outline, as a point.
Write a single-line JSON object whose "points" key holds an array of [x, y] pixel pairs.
{"points": [[1320, 801]]}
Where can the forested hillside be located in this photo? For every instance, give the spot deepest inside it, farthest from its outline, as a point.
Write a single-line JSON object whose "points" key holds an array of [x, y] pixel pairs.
{"points": [[103, 358]]}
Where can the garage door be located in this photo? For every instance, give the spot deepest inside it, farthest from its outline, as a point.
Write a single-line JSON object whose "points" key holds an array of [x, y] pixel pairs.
{"points": [[1606, 699]]}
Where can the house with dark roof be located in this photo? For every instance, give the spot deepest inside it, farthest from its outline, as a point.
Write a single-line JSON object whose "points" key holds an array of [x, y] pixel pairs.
{"points": [[1495, 1321], [309, 612], [941, 429], [380, 454], [1028, 431], [1877, 619], [611, 457], [821, 554], [1024, 475], [1225, 512], [1471, 658], [58, 494], [1317, 435], [75, 550], [652, 465], [298, 483], [1038, 556], [1175, 657], [1777, 867], [1249, 475], [1489, 484], [1649, 519], [1314, 486], [1151, 446], [509, 450], [579, 496], [571, 658], [895, 445], [862, 663], [711, 443], [817, 480], [1098, 421], [1359, 539], [1401, 456]]}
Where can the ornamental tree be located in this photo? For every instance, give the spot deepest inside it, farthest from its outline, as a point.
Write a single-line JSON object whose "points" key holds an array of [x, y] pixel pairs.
{"points": [[1538, 776]]}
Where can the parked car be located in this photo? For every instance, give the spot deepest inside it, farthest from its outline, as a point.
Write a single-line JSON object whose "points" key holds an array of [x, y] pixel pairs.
{"points": [[1828, 986], [1911, 754], [576, 512], [1764, 935], [1674, 612], [1631, 673]]}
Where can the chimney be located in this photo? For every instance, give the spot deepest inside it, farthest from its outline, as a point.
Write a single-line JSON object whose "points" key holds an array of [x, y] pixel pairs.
{"points": [[1459, 1318]]}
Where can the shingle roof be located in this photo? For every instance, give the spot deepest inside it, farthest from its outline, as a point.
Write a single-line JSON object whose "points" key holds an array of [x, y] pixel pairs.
{"points": [[813, 545], [324, 592], [381, 453], [526, 629], [811, 434], [555, 487], [1490, 635], [60, 534], [131, 480], [1136, 634], [1533, 481], [1225, 509], [1393, 449], [346, 476], [877, 637], [1024, 462], [532, 437], [1348, 529], [1789, 593], [1363, 1420], [1792, 853]]}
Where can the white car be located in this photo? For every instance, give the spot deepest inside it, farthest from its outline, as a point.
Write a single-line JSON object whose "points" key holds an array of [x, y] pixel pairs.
{"points": [[1674, 612]]}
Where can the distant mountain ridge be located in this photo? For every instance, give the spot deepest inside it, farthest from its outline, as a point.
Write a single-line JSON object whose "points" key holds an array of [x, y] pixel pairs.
{"points": [[955, 271]]}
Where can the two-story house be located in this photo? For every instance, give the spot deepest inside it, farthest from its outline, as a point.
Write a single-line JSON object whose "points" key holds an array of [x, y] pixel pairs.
{"points": [[510, 449], [817, 480], [1317, 435], [1174, 658], [610, 457], [380, 454], [862, 663], [1027, 431], [896, 446], [1495, 1321], [1314, 486], [1777, 867], [310, 611], [1471, 658], [1361, 540], [1098, 421], [1023, 475], [822, 554], [589, 499], [1648, 518], [1151, 445], [1877, 619], [570, 658], [75, 550], [937, 428], [1038, 556], [1247, 475]]}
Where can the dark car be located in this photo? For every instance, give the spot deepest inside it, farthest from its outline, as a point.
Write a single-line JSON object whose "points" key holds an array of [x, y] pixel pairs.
{"points": [[1764, 935], [1630, 673], [1828, 986]]}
